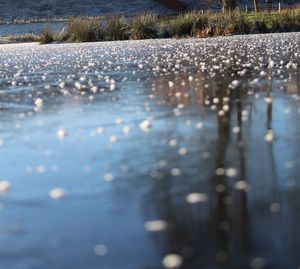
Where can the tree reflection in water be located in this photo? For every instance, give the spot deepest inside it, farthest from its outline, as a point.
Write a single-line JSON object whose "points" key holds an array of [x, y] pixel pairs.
{"points": [[248, 221]]}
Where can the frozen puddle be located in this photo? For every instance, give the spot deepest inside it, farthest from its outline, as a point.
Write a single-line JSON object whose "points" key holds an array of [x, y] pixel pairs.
{"points": [[151, 154]]}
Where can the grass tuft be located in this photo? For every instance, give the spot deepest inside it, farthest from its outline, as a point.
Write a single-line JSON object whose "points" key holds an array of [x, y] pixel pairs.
{"points": [[117, 28], [288, 20], [145, 26], [84, 30], [184, 24], [46, 36]]}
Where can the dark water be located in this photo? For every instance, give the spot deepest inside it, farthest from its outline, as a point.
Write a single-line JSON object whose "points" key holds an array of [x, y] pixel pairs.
{"points": [[29, 28], [185, 147]]}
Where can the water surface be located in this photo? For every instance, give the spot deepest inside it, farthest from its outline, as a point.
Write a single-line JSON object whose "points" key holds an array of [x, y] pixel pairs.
{"points": [[202, 135]]}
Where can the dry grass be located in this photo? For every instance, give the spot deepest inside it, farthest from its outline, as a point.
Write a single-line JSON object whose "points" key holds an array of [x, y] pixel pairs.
{"points": [[46, 36], [192, 24], [145, 26], [117, 28], [84, 30], [21, 38]]}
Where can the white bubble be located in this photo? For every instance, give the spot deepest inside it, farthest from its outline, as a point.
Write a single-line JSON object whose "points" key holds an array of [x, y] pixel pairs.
{"points": [[195, 197], [4, 186], [241, 185], [61, 133], [199, 125], [62, 85], [41, 169], [100, 250], [145, 125], [258, 263], [119, 121], [172, 261], [39, 102], [220, 171], [275, 207], [112, 87], [234, 84], [113, 139], [173, 142], [109, 177], [178, 94], [57, 194], [155, 225], [263, 73], [289, 165], [126, 130], [163, 163], [100, 130], [182, 151], [175, 172], [268, 100], [269, 137], [216, 100], [226, 108], [171, 84], [231, 172], [236, 130], [78, 85], [221, 113], [271, 64]]}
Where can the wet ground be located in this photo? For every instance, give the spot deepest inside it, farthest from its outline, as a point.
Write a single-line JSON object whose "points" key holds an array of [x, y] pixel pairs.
{"points": [[151, 154]]}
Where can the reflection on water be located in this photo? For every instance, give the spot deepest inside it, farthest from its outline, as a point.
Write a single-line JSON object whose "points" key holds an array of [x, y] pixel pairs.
{"points": [[173, 155]]}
